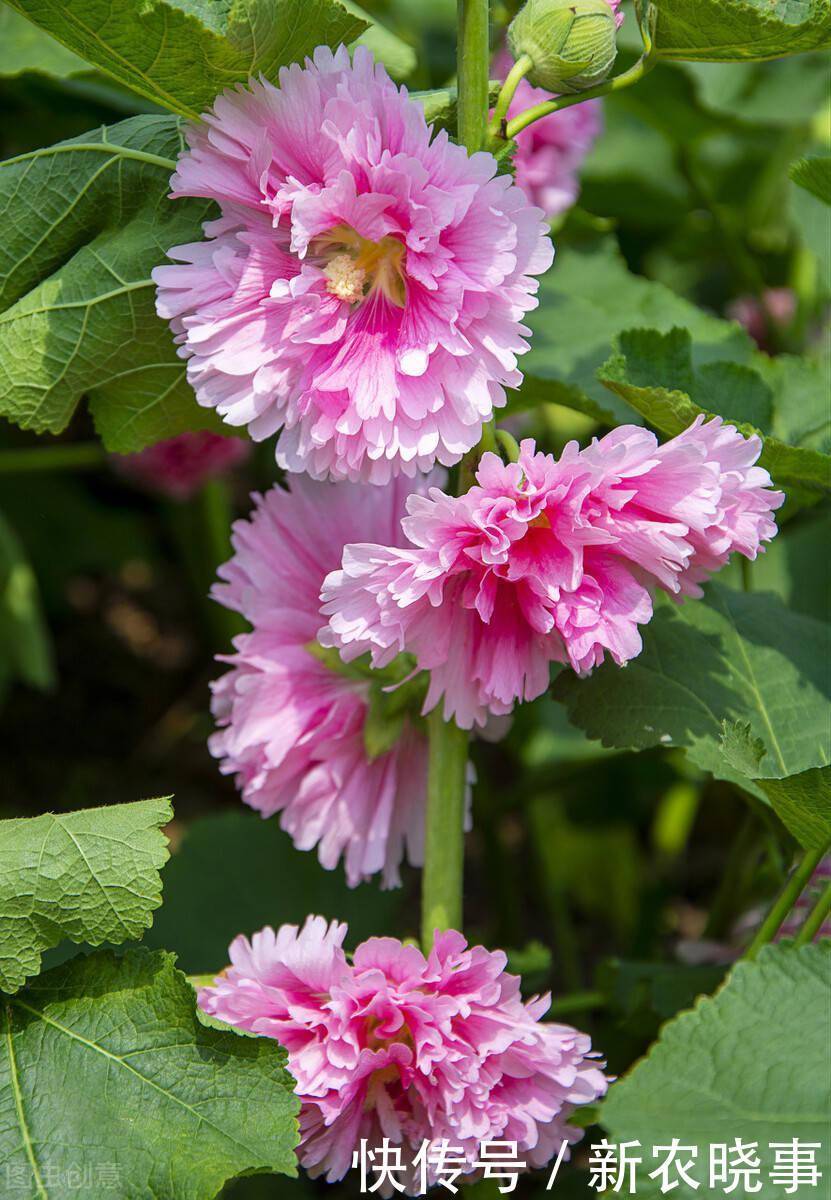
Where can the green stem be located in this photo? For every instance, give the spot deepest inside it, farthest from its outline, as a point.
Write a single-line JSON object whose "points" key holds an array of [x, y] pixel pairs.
{"points": [[441, 895], [473, 60], [576, 1002], [747, 573], [215, 514], [506, 94], [794, 886], [635, 73], [468, 465], [566, 942], [741, 861], [509, 444], [72, 457], [215, 505], [813, 922], [441, 888]]}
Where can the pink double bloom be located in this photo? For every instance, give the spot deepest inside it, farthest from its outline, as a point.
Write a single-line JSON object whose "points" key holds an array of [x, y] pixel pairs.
{"points": [[549, 560]]}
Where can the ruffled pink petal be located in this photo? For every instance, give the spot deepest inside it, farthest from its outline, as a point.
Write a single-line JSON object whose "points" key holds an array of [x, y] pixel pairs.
{"points": [[549, 560], [393, 1045], [359, 385]]}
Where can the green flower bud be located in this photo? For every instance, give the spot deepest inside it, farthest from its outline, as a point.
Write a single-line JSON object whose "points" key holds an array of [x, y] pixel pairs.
{"points": [[570, 42]]}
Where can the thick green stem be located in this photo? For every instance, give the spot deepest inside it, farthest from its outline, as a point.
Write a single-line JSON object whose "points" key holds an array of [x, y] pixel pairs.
{"points": [[624, 80], [80, 456], [441, 888], [814, 921], [785, 901], [441, 894], [473, 59], [215, 514], [215, 506]]}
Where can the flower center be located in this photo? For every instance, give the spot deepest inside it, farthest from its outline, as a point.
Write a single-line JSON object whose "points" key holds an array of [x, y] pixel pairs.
{"points": [[345, 279], [356, 267]]}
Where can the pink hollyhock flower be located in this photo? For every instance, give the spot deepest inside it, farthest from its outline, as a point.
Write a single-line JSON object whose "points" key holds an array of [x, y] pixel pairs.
{"points": [[393, 1045], [551, 151], [777, 308], [178, 466], [364, 287], [292, 730], [549, 561]]}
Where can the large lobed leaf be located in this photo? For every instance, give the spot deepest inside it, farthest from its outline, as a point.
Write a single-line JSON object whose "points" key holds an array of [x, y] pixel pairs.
{"points": [[90, 876], [672, 362], [182, 53], [814, 174], [785, 401], [110, 1085], [24, 47], [802, 800], [750, 1062], [82, 224], [730, 657], [586, 300], [738, 30]]}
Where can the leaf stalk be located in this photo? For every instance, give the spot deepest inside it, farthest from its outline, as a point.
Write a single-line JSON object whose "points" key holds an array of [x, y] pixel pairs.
{"points": [[790, 893]]}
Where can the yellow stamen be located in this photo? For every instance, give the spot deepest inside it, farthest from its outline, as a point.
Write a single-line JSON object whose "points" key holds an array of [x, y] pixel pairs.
{"points": [[345, 278], [362, 266]]}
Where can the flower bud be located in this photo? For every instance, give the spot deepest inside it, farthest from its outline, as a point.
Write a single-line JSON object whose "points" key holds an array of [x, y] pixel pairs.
{"points": [[570, 42]]}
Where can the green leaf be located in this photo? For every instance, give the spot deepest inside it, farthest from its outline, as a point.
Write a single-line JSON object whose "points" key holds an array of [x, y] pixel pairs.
{"points": [[90, 876], [814, 174], [730, 657], [589, 297], [24, 47], [398, 56], [383, 726], [739, 30], [656, 988], [439, 104], [25, 647], [654, 372], [182, 53], [82, 225], [246, 873], [750, 1062], [794, 565], [802, 801], [104, 1067], [789, 91]]}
